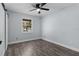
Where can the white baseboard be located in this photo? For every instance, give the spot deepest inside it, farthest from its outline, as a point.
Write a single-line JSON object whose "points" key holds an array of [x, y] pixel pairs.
{"points": [[75, 49], [19, 41]]}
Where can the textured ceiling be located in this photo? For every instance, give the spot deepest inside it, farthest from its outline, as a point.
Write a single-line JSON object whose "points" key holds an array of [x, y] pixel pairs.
{"points": [[26, 7]]}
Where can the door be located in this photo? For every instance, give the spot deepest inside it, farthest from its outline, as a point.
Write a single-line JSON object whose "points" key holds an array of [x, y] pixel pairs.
{"points": [[2, 30]]}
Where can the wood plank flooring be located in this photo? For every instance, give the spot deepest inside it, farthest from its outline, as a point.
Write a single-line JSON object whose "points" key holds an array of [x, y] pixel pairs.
{"points": [[39, 48]]}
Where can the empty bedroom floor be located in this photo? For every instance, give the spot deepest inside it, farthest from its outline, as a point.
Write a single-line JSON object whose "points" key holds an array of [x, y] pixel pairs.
{"points": [[39, 48]]}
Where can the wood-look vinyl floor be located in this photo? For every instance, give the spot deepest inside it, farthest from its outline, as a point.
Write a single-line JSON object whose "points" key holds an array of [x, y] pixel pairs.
{"points": [[39, 48]]}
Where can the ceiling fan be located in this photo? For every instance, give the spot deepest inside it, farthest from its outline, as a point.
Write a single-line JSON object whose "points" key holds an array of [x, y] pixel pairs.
{"points": [[39, 7]]}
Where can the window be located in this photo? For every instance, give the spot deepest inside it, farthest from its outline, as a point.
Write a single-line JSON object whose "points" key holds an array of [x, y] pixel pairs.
{"points": [[26, 25]]}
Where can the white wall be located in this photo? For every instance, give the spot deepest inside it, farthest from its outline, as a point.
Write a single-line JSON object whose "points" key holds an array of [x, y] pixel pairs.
{"points": [[2, 30], [62, 27], [15, 32]]}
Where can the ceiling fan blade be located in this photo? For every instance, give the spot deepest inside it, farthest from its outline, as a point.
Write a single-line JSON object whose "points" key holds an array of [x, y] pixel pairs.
{"points": [[45, 9], [38, 5], [42, 4], [32, 9]]}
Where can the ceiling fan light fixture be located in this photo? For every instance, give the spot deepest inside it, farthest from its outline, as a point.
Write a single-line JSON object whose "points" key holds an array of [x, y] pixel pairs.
{"points": [[38, 10]]}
